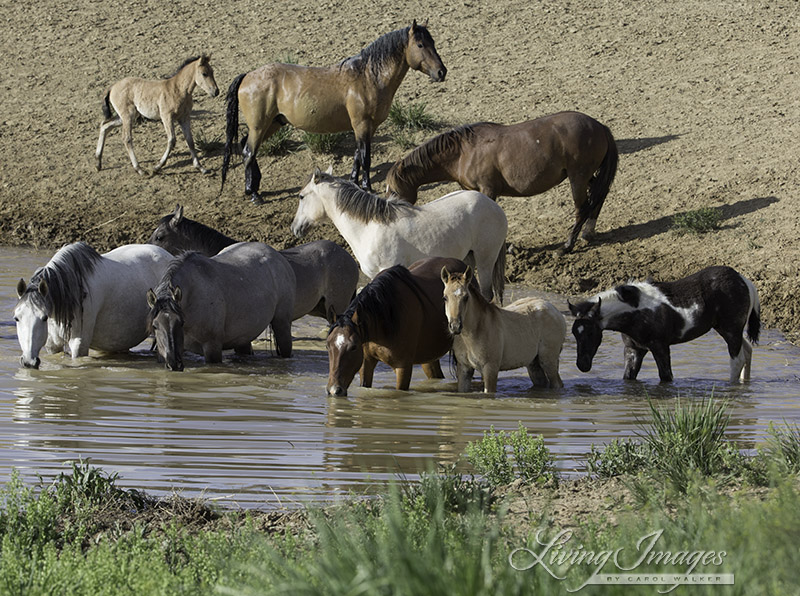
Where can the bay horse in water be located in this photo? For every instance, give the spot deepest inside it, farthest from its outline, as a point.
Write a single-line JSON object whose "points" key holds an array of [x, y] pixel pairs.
{"points": [[326, 274], [652, 316], [168, 99], [463, 225], [519, 160], [81, 299], [398, 318], [213, 304], [528, 332], [354, 94]]}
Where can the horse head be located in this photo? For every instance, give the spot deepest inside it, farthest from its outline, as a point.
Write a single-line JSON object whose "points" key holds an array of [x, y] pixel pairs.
{"points": [[588, 331], [421, 53], [204, 76], [165, 322], [167, 235], [311, 209], [31, 316], [345, 355], [456, 296]]}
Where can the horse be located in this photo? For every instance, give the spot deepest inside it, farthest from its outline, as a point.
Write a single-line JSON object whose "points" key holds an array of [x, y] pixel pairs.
{"points": [[519, 160], [464, 225], [213, 304], [397, 318], [81, 299], [169, 99], [326, 274], [528, 332], [354, 94], [652, 316]]}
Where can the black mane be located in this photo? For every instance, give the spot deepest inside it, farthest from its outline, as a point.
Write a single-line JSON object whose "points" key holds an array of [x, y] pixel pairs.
{"points": [[195, 234], [382, 50]]}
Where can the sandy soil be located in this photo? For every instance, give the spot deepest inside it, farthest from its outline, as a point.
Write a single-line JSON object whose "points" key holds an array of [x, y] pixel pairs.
{"points": [[702, 98]]}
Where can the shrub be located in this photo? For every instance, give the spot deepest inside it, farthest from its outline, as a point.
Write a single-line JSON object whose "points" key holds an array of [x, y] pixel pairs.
{"points": [[699, 221], [617, 458], [411, 117]]}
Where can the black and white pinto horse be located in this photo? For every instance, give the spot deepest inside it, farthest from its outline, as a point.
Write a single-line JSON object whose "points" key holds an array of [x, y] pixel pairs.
{"points": [[652, 316]]}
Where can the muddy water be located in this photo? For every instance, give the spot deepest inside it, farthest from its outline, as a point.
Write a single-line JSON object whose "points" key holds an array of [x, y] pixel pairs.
{"points": [[260, 431]]}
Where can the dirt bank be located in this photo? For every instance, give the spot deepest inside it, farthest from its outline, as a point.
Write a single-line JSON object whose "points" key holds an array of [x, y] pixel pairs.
{"points": [[702, 98]]}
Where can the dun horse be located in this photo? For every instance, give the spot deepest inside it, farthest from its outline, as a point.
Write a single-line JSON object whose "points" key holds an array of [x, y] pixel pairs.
{"points": [[213, 304], [463, 225], [355, 94], [398, 318], [326, 274], [518, 161], [81, 299], [652, 316], [168, 99], [529, 332]]}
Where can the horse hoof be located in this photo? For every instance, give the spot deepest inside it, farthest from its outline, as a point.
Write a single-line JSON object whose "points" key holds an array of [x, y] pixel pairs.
{"points": [[256, 199]]}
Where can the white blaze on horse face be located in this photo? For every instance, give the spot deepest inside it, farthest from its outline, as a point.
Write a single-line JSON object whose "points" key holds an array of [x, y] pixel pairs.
{"points": [[31, 331], [339, 342]]}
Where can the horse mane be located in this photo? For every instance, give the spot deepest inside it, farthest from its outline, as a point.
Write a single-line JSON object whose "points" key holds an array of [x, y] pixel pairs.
{"points": [[162, 290], [377, 304], [199, 233], [186, 63], [365, 206], [65, 276], [382, 50], [445, 145]]}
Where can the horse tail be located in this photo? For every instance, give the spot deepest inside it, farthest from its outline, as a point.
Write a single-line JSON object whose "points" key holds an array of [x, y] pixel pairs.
{"points": [[232, 125], [601, 181], [107, 105], [499, 275], [754, 319]]}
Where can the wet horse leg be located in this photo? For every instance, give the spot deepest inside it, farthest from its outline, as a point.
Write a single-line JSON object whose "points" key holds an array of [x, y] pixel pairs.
{"points": [[464, 375], [663, 362], [433, 370], [104, 128], [186, 128], [634, 354], [403, 376], [741, 352], [367, 371]]}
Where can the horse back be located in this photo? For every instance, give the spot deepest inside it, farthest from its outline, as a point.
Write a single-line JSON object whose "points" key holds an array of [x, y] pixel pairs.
{"points": [[526, 327]]}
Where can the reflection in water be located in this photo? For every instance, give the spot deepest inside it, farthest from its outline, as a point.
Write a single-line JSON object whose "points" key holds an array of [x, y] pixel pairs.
{"points": [[260, 430]]}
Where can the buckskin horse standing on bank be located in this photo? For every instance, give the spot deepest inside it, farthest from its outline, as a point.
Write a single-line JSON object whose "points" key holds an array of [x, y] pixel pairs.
{"points": [[519, 160], [168, 99], [354, 94]]}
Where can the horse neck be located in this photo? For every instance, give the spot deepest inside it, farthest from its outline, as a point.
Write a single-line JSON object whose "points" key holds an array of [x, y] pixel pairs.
{"points": [[205, 239], [435, 169], [352, 230], [184, 79], [478, 315]]}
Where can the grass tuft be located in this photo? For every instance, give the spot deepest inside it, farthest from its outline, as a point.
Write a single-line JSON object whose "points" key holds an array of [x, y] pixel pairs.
{"points": [[413, 116], [699, 221], [323, 143]]}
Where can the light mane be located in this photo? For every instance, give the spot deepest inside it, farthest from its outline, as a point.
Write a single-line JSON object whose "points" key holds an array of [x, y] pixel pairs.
{"points": [[365, 206], [66, 277]]}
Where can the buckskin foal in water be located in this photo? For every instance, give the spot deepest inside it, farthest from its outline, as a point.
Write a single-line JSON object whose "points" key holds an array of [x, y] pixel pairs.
{"points": [[652, 316]]}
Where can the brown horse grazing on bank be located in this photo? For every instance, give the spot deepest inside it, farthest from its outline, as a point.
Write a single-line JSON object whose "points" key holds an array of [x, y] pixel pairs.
{"points": [[519, 160], [398, 318], [169, 99], [354, 94]]}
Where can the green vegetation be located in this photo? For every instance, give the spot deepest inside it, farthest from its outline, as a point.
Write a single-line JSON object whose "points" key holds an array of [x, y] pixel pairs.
{"points": [[323, 143], [446, 534], [699, 221], [413, 116], [279, 143]]}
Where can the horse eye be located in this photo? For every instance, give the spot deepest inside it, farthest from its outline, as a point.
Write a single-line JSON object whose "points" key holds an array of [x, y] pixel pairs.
{"points": [[420, 46], [16, 319], [44, 318]]}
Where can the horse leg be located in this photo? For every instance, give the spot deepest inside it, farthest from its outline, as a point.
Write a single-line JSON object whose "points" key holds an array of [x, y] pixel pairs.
{"points": [[169, 126], [356, 164], [104, 128], [741, 352], [127, 139], [244, 349], [633, 354], [433, 370], [282, 330], [252, 173], [464, 376], [78, 347], [403, 377], [186, 127], [367, 371], [580, 194], [366, 163], [545, 370], [212, 352], [663, 362]]}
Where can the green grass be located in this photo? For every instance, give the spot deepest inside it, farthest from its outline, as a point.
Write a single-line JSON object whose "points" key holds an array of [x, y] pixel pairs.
{"points": [[279, 143], [699, 221], [323, 143], [413, 116]]}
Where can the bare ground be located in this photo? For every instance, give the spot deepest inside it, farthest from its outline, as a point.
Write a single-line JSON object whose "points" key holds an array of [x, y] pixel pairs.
{"points": [[701, 96]]}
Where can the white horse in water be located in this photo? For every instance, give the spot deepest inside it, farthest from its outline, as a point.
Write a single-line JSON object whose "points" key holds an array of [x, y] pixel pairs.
{"points": [[81, 299], [529, 332], [464, 225], [168, 99]]}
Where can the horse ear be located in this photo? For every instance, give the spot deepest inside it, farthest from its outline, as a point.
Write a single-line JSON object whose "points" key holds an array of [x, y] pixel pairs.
{"points": [[329, 171], [316, 176], [21, 287], [177, 216], [445, 274], [43, 288], [572, 308], [468, 274], [177, 294], [594, 312], [151, 298]]}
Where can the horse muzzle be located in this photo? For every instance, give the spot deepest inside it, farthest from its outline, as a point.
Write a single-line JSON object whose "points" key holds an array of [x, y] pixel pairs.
{"points": [[454, 327], [30, 363], [437, 76], [337, 391], [584, 364]]}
